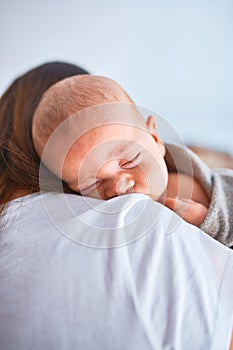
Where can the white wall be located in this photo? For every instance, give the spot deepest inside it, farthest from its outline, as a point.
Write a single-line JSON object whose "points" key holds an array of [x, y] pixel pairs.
{"points": [[175, 57]]}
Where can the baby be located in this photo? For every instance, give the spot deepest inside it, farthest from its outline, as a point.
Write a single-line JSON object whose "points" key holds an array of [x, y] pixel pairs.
{"points": [[103, 148]]}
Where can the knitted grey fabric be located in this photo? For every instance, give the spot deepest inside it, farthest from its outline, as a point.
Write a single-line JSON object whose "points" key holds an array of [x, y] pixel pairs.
{"points": [[218, 184]]}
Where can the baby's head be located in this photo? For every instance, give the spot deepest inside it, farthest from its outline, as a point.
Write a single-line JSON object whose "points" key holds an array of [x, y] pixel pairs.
{"points": [[88, 131]]}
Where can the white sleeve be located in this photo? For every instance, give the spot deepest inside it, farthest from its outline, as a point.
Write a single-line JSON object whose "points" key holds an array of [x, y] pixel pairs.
{"points": [[162, 284]]}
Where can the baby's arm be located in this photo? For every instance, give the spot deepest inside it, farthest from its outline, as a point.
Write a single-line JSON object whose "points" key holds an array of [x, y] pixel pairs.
{"points": [[191, 211]]}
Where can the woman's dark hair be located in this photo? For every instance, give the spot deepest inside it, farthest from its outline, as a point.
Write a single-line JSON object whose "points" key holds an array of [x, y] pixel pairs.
{"points": [[19, 163]]}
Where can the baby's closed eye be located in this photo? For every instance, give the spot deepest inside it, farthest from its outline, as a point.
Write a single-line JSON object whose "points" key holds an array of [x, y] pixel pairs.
{"points": [[90, 188], [133, 162]]}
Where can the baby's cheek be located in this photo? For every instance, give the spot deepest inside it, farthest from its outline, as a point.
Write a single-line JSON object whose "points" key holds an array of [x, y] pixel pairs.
{"points": [[140, 178], [157, 179]]}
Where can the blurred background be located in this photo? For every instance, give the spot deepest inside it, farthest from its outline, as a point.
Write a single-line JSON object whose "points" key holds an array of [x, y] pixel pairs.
{"points": [[174, 57]]}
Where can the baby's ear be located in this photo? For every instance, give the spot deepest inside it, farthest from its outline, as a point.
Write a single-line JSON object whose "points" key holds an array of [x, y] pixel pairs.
{"points": [[151, 127]]}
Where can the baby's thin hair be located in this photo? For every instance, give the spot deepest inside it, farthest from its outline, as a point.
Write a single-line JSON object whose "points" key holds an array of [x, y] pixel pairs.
{"points": [[70, 96]]}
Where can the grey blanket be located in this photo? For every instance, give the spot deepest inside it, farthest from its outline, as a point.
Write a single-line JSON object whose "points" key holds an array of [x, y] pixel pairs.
{"points": [[218, 185]]}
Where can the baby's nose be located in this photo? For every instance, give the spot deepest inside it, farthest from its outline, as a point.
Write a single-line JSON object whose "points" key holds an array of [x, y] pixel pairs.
{"points": [[119, 187], [124, 186]]}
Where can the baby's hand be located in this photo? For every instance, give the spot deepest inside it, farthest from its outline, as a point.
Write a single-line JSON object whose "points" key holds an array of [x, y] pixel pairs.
{"points": [[191, 211]]}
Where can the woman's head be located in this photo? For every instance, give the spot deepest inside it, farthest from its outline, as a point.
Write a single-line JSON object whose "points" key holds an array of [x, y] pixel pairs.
{"points": [[19, 163]]}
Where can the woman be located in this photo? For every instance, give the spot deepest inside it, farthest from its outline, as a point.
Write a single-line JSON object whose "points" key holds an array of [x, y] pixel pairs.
{"points": [[56, 294], [19, 163]]}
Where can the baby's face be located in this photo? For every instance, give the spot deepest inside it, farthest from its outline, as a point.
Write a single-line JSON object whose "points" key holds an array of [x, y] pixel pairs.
{"points": [[114, 155]]}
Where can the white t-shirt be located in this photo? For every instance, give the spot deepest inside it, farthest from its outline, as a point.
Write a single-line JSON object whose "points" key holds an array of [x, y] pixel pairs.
{"points": [[162, 284]]}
